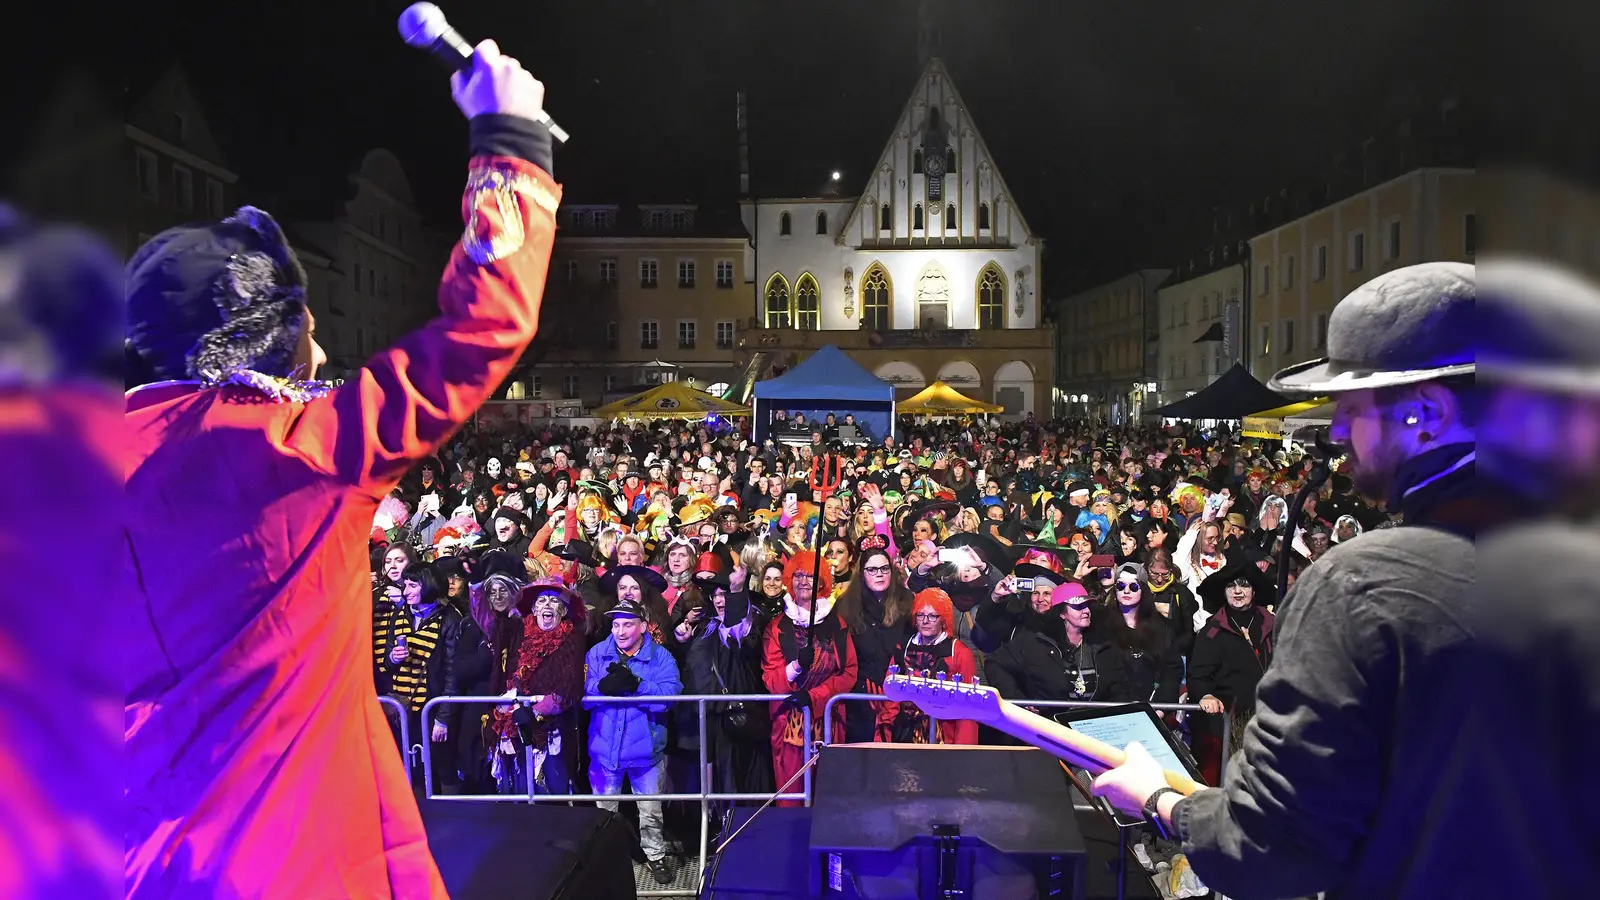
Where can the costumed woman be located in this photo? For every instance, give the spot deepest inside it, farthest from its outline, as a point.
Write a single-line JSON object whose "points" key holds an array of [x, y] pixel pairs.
{"points": [[550, 673]]}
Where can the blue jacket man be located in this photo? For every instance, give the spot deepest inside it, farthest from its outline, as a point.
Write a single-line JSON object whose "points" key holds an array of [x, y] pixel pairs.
{"points": [[629, 741]]}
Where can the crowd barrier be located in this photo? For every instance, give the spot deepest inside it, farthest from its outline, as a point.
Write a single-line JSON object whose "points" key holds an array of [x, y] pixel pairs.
{"points": [[933, 723], [705, 796], [407, 751]]}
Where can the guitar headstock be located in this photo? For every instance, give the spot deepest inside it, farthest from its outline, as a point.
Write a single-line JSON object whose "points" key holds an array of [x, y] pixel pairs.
{"points": [[944, 697]]}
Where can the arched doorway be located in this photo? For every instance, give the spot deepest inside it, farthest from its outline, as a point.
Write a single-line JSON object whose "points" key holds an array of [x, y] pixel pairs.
{"points": [[961, 375], [1013, 388], [906, 378]]}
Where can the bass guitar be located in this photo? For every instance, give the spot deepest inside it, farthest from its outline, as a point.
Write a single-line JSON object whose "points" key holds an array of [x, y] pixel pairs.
{"points": [[952, 698]]}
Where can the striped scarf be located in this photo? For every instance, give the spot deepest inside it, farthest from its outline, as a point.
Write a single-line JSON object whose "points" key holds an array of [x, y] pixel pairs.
{"points": [[411, 681]]}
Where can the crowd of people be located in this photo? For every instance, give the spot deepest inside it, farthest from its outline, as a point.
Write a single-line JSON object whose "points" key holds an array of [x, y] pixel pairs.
{"points": [[1056, 561]]}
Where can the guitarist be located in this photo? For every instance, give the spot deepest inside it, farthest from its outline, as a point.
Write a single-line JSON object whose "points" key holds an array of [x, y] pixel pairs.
{"points": [[1352, 779]]}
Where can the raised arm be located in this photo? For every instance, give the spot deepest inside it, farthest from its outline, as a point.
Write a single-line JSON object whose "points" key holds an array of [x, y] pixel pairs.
{"points": [[413, 396]]}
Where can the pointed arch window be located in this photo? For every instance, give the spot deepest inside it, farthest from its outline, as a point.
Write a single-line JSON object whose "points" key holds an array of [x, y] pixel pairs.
{"points": [[916, 217], [785, 224], [983, 216], [807, 304], [876, 293], [777, 313], [950, 217], [991, 297], [949, 160], [885, 222], [916, 161], [822, 221]]}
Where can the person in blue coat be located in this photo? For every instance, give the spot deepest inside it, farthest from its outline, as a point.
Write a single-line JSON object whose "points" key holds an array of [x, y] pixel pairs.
{"points": [[629, 741]]}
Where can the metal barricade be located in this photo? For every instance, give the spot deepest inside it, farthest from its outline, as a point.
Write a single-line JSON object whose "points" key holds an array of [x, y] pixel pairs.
{"points": [[406, 750], [705, 796], [933, 723]]}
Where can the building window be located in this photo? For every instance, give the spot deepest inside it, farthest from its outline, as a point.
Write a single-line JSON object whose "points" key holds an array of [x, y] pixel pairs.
{"points": [[724, 273], [1266, 340], [180, 128], [916, 161], [1319, 334], [372, 281], [1266, 280], [215, 204], [686, 334], [569, 387], [681, 220], [991, 297], [611, 383], [949, 160], [807, 303], [686, 273], [648, 272], [655, 218], [875, 298], [608, 271], [1288, 336], [950, 217], [1184, 320], [144, 170], [1356, 251], [785, 223], [1288, 271], [1469, 236], [572, 270], [724, 335], [885, 222], [916, 217], [1391, 240], [1319, 262], [355, 278], [649, 335], [777, 298], [822, 221], [933, 298], [536, 387], [612, 330], [983, 216]]}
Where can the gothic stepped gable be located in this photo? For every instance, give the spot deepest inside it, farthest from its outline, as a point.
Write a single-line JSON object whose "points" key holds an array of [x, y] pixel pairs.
{"points": [[936, 159]]}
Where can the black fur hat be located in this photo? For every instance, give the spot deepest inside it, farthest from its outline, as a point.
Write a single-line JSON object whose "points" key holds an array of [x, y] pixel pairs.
{"points": [[207, 301]]}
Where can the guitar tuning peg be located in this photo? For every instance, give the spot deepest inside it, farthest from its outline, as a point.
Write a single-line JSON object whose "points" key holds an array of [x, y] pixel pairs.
{"points": [[894, 670]]}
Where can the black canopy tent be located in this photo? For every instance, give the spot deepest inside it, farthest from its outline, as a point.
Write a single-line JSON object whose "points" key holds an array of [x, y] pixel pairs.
{"points": [[1233, 396]]}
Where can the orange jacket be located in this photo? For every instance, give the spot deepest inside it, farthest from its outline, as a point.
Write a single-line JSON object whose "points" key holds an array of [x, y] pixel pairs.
{"points": [[258, 762]]}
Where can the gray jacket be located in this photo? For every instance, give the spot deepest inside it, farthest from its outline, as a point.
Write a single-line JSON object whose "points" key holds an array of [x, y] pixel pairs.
{"points": [[1355, 776]]}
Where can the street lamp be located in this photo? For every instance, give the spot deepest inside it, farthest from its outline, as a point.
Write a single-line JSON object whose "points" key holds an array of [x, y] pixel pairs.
{"points": [[836, 175]]}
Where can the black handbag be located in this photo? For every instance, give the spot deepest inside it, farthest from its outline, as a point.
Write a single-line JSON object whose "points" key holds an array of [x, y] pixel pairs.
{"points": [[733, 712]]}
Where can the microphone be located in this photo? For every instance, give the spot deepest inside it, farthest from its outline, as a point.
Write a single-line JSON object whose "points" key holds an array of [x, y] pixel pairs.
{"points": [[423, 26]]}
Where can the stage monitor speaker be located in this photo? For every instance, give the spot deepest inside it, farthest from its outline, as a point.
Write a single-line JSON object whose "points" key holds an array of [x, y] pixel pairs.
{"points": [[524, 851], [926, 821]]}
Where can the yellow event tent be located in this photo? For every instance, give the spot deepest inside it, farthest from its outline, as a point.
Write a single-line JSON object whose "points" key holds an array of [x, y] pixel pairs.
{"points": [[673, 400], [1280, 422], [940, 399]]}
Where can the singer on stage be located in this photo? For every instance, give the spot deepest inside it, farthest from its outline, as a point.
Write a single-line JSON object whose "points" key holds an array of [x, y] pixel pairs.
{"points": [[258, 762], [1357, 775]]}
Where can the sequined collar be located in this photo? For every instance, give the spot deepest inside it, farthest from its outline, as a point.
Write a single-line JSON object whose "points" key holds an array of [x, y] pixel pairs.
{"points": [[272, 387]]}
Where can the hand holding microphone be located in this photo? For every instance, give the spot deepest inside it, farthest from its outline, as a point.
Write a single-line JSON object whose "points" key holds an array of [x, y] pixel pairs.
{"points": [[486, 81]]}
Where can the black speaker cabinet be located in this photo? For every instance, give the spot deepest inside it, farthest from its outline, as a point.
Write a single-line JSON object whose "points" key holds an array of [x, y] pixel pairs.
{"points": [[921, 821], [522, 851]]}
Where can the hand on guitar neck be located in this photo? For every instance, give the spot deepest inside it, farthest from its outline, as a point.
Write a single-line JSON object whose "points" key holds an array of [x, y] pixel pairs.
{"points": [[952, 698]]}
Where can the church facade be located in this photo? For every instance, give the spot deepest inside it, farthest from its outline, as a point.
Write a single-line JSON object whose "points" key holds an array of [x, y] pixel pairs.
{"points": [[931, 273]]}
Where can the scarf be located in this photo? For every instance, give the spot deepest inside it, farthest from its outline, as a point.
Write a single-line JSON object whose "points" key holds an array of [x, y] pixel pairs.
{"points": [[537, 644], [678, 581]]}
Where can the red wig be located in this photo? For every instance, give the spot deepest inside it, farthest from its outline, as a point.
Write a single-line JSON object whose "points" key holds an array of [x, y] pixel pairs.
{"points": [[805, 561], [940, 603]]}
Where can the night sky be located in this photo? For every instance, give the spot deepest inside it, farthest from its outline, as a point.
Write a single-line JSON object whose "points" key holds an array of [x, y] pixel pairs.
{"points": [[1116, 125]]}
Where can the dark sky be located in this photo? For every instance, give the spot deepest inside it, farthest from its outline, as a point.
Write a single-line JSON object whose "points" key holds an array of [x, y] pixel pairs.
{"points": [[1115, 124]]}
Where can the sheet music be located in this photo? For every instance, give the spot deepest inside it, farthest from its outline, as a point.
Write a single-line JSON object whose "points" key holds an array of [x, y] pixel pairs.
{"points": [[1121, 730]]}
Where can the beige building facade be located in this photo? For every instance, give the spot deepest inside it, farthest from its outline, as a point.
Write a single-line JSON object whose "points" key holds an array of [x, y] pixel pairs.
{"points": [[1201, 330], [1109, 344], [1301, 269]]}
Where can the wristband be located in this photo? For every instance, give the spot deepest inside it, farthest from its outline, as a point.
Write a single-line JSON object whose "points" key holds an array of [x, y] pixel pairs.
{"points": [[1152, 814]]}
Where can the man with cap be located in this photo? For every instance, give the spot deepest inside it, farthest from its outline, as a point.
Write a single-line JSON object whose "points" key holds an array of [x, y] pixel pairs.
{"points": [[1355, 776], [629, 741], [257, 762]]}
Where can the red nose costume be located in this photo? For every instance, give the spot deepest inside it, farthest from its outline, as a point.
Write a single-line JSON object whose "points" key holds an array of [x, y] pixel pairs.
{"points": [[259, 763]]}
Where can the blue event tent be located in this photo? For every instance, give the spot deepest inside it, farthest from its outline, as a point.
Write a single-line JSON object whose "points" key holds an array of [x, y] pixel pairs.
{"points": [[827, 381]]}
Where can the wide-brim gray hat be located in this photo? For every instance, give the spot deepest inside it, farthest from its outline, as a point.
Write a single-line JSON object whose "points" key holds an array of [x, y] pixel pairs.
{"points": [[1414, 324], [1541, 327]]}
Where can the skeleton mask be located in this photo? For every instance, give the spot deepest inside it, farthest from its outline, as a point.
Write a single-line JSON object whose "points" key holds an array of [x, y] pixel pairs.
{"points": [[492, 467]]}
